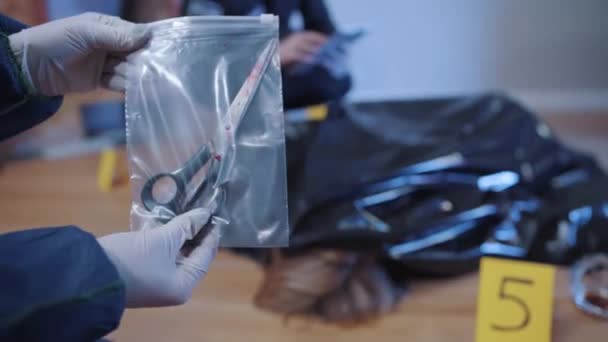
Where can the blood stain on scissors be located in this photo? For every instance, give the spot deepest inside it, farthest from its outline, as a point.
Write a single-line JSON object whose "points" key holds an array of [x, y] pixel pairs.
{"points": [[217, 157]]}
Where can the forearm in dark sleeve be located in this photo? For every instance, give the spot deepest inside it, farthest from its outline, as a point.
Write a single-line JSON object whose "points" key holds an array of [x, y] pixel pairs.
{"points": [[314, 87], [317, 17], [57, 285], [20, 109]]}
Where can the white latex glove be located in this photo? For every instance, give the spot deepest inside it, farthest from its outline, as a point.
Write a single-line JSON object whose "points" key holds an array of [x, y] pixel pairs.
{"points": [[153, 266], [300, 47], [335, 60], [77, 53]]}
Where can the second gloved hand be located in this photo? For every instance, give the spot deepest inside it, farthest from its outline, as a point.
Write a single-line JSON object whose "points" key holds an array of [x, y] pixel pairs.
{"points": [[152, 264], [77, 53], [300, 47]]}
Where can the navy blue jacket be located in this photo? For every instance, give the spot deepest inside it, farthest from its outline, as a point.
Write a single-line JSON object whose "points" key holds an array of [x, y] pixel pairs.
{"points": [[56, 284]]}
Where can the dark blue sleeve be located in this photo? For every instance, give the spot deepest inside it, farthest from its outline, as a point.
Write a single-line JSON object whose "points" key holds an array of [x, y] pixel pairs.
{"points": [[317, 85], [57, 284], [316, 16], [313, 87], [19, 108]]}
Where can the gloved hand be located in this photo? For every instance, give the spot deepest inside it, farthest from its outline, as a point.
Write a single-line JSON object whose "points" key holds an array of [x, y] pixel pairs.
{"points": [[300, 47], [335, 59], [153, 265], [78, 53]]}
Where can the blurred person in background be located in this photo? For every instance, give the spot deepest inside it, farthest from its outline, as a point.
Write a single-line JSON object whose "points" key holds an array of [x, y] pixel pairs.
{"points": [[51, 276], [305, 28]]}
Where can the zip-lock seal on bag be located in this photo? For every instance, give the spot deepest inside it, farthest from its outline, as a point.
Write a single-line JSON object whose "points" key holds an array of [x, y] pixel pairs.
{"points": [[204, 117]]}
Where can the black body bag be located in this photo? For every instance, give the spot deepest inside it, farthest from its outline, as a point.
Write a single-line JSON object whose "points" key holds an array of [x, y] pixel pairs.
{"points": [[434, 185]]}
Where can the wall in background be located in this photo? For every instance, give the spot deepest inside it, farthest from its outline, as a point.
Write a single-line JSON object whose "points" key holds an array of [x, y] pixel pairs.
{"points": [[550, 53]]}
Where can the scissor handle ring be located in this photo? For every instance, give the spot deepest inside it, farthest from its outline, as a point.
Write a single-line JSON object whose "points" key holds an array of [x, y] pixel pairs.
{"points": [[581, 292], [147, 196]]}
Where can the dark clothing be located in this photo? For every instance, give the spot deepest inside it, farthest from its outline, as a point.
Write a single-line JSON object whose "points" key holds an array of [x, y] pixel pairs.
{"points": [[317, 85], [19, 109], [314, 13], [56, 284]]}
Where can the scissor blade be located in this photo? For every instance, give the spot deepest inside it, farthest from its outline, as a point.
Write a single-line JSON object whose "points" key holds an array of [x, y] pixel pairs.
{"points": [[237, 110], [241, 101]]}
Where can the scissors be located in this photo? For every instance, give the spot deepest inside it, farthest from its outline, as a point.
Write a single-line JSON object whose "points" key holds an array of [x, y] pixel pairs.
{"points": [[220, 161], [179, 179]]}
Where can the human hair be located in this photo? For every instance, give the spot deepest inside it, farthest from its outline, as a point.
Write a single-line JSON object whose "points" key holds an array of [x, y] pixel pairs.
{"points": [[335, 286]]}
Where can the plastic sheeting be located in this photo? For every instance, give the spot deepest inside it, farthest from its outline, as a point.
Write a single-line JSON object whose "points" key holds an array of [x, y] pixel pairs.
{"points": [[436, 184]]}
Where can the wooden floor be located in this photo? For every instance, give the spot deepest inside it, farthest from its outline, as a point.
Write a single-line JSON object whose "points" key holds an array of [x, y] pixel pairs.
{"points": [[43, 193]]}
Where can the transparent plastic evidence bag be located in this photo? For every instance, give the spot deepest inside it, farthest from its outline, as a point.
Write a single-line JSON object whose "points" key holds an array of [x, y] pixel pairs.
{"points": [[204, 120]]}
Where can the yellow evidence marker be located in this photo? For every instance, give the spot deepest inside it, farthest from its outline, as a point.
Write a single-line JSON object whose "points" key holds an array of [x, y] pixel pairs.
{"points": [[317, 113], [106, 170], [515, 301]]}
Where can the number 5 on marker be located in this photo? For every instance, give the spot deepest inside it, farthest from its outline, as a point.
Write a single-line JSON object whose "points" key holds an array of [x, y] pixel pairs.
{"points": [[515, 301]]}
